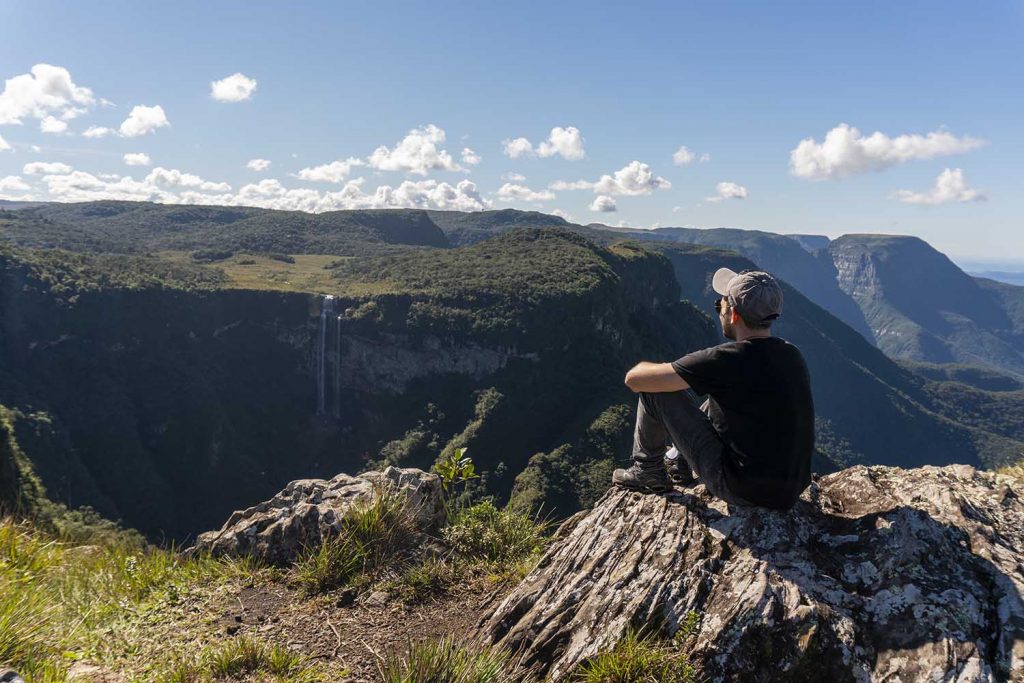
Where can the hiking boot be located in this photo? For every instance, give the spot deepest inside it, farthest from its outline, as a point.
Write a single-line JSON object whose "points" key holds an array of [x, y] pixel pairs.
{"points": [[678, 469], [642, 476]]}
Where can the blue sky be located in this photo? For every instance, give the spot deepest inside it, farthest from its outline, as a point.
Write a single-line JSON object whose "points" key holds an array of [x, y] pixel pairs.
{"points": [[739, 84]]}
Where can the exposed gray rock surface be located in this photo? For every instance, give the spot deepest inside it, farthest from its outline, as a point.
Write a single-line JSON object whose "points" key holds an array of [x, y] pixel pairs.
{"points": [[878, 574], [306, 510]]}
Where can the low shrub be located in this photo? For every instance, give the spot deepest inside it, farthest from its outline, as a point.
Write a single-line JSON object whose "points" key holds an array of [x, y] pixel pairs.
{"points": [[485, 532], [211, 255]]}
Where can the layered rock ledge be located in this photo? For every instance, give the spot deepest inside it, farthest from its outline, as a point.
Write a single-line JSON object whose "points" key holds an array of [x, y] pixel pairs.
{"points": [[877, 574], [307, 510]]}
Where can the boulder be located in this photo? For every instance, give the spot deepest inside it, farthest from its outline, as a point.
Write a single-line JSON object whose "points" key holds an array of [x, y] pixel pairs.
{"points": [[877, 574], [277, 530]]}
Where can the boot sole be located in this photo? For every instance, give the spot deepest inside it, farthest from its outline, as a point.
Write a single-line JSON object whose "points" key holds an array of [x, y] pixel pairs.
{"points": [[645, 489]]}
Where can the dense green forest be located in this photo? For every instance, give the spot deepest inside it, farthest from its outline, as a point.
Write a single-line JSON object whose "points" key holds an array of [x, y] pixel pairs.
{"points": [[153, 354]]}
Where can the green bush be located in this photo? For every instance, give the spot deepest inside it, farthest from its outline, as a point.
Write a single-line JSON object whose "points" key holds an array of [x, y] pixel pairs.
{"points": [[484, 532], [283, 258], [448, 661]]}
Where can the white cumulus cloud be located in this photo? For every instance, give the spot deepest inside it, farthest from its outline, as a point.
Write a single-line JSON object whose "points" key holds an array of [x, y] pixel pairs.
{"points": [[143, 120], [517, 147], [513, 177], [334, 172], [98, 132], [171, 177], [950, 186], [137, 159], [235, 88], [46, 91], [423, 194], [565, 215], [511, 192], [46, 168], [13, 183], [728, 190], [3, 144], [564, 142], [258, 164], [51, 124], [683, 156], [416, 153], [635, 178], [604, 204], [469, 157], [845, 151]]}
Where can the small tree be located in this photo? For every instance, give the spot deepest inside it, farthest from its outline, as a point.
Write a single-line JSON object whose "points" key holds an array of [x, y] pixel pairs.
{"points": [[454, 468]]}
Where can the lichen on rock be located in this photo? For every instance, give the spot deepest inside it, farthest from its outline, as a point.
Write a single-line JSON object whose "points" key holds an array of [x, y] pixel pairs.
{"points": [[300, 516], [877, 573]]}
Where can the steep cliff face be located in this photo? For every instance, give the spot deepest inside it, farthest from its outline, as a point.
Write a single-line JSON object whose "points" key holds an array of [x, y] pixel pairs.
{"points": [[168, 407], [920, 306], [869, 408], [20, 490]]}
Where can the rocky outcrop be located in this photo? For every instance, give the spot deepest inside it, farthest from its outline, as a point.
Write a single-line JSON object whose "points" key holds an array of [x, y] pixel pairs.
{"points": [[877, 574], [277, 530]]}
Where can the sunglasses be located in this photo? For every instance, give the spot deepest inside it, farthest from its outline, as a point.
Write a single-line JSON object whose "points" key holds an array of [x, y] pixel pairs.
{"points": [[718, 305]]}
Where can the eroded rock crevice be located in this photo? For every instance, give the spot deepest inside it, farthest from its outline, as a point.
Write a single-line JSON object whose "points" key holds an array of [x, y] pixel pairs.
{"points": [[877, 574]]}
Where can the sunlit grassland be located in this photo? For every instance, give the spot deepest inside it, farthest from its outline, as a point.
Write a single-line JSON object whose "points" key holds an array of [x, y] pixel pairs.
{"points": [[120, 604], [259, 271]]}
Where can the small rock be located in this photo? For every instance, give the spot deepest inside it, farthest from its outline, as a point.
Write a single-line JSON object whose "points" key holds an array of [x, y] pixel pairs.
{"points": [[346, 597], [376, 599]]}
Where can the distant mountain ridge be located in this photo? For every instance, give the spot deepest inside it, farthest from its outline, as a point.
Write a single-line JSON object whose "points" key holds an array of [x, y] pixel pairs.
{"points": [[135, 227], [922, 307]]}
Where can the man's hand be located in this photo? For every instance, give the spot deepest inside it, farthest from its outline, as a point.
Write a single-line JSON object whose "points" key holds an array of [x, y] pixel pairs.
{"points": [[654, 378]]}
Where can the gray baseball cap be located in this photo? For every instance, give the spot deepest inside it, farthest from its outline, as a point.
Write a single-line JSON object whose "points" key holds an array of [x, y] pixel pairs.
{"points": [[755, 294]]}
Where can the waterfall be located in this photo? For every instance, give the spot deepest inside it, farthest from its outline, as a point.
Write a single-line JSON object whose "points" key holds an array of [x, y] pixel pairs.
{"points": [[337, 367], [326, 311]]}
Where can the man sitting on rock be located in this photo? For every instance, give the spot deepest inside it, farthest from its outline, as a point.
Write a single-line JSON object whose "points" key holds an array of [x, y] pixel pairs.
{"points": [[751, 442]]}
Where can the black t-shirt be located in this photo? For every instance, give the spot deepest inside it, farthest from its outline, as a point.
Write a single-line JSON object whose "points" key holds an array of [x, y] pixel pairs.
{"points": [[761, 405]]}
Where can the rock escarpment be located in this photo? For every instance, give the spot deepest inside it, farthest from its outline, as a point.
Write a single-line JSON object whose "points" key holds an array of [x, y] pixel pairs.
{"points": [[877, 574], [307, 510]]}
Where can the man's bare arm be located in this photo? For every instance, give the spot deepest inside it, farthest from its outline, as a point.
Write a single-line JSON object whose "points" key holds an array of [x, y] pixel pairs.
{"points": [[654, 378]]}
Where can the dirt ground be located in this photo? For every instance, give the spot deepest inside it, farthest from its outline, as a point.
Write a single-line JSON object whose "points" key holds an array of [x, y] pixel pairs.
{"points": [[350, 633]]}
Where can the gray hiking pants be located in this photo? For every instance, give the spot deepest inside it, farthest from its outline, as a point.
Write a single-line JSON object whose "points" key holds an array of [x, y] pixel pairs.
{"points": [[673, 415]]}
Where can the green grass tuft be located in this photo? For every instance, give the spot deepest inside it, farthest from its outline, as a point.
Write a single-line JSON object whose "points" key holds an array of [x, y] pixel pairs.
{"points": [[242, 659], [640, 659], [369, 536], [448, 661]]}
